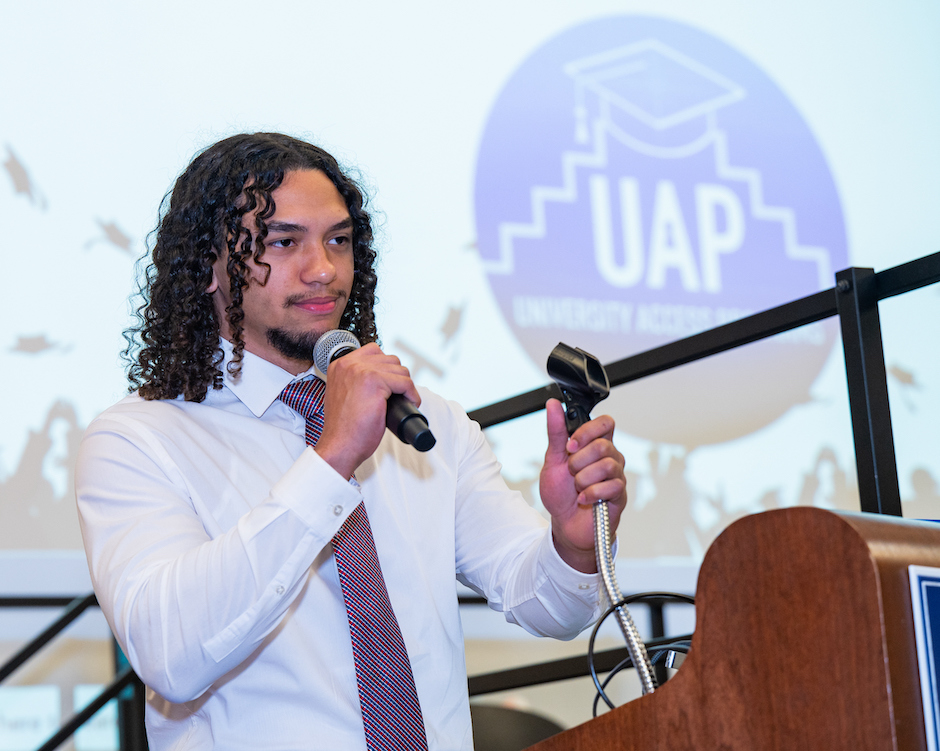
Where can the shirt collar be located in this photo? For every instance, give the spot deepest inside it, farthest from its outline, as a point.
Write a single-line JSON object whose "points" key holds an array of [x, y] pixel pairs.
{"points": [[260, 382]]}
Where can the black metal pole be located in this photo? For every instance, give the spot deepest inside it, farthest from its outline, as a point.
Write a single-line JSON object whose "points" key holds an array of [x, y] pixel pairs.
{"points": [[857, 302], [132, 734], [657, 631], [558, 670]]}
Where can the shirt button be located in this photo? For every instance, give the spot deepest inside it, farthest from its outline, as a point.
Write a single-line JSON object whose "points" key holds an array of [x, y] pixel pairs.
{"points": [[279, 589], [337, 510], [584, 586]]}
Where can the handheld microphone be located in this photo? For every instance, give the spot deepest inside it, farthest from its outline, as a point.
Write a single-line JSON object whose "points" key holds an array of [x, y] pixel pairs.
{"points": [[402, 417]]}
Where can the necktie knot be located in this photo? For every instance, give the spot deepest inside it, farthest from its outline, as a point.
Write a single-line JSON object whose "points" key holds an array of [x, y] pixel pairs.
{"points": [[306, 398]]}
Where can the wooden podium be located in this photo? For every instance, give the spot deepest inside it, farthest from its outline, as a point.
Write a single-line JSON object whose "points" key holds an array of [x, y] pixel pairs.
{"points": [[804, 640]]}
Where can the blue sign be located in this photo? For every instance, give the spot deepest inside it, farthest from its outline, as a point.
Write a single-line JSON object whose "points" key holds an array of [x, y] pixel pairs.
{"points": [[925, 603], [639, 181]]}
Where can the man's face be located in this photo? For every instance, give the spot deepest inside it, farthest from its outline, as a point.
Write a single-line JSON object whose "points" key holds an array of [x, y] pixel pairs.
{"points": [[309, 248]]}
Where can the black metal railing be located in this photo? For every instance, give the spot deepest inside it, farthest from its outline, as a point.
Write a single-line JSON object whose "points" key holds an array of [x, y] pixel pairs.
{"points": [[126, 686], [76, 606], [127, 678], [854, 299]]}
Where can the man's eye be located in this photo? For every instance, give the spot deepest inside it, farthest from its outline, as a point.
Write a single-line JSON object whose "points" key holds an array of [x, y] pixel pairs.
{"points": [[284, 242], [341, 240]]}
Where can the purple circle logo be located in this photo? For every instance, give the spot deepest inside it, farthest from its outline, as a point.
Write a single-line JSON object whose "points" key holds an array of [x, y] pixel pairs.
{"points": [[639, 181]]}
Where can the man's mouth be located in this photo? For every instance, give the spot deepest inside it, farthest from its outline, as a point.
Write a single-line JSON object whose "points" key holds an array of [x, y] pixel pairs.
{"points": [[316, 304]]}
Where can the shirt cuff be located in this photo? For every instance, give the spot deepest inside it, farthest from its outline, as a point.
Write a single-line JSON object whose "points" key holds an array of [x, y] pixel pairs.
{"points": [[564, 575], [317, 493]]}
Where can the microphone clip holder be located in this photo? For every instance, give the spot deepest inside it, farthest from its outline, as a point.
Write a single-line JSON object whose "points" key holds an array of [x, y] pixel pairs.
{"points": [[583, 383], [582, 380]]}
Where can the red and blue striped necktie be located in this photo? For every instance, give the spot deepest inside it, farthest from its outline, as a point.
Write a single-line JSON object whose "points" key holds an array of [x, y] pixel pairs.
{"points": [[391, 714]]}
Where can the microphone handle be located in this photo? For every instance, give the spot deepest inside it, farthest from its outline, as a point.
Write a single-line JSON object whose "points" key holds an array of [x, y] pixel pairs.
{"points": [[405, 421], [401, 416]]}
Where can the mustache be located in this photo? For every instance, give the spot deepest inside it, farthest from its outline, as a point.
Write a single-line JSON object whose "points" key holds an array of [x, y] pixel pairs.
{"points": [[339, 294]]}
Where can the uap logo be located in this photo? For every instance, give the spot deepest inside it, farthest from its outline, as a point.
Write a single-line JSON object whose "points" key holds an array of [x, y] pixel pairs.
{"points": [[639, 181]]}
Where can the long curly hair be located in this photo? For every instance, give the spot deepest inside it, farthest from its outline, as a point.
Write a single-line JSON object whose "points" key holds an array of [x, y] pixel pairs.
{"points": [[174, 347]]}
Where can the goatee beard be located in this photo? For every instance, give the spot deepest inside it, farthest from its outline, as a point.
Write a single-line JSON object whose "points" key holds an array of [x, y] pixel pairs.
{"points": [[294, 346]]}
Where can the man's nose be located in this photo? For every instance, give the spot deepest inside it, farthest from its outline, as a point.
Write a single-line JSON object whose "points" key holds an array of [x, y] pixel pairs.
{"points": [[317, 266]]}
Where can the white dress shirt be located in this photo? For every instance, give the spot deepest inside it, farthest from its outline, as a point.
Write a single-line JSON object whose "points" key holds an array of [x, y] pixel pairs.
{"points": [[207, 528]]}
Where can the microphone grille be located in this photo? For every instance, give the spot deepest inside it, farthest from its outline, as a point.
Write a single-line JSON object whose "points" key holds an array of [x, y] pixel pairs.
{"points": [[331, 344]]}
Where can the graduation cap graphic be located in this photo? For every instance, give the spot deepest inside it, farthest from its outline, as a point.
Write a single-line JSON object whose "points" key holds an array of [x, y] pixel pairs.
{"points": [[646, 89], [638, 180]]}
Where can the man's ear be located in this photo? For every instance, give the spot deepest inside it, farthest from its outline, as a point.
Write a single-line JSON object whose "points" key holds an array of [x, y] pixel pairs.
{"points": [[214, 284]]}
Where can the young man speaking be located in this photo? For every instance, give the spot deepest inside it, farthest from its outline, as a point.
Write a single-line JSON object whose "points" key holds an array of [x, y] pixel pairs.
{"points": [[277, 566]]}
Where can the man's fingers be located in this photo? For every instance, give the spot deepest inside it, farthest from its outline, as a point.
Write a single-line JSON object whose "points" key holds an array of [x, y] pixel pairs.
{"points": [[609, 490], [377, 370], [600, 473], [599, 427], [596, 451]]}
